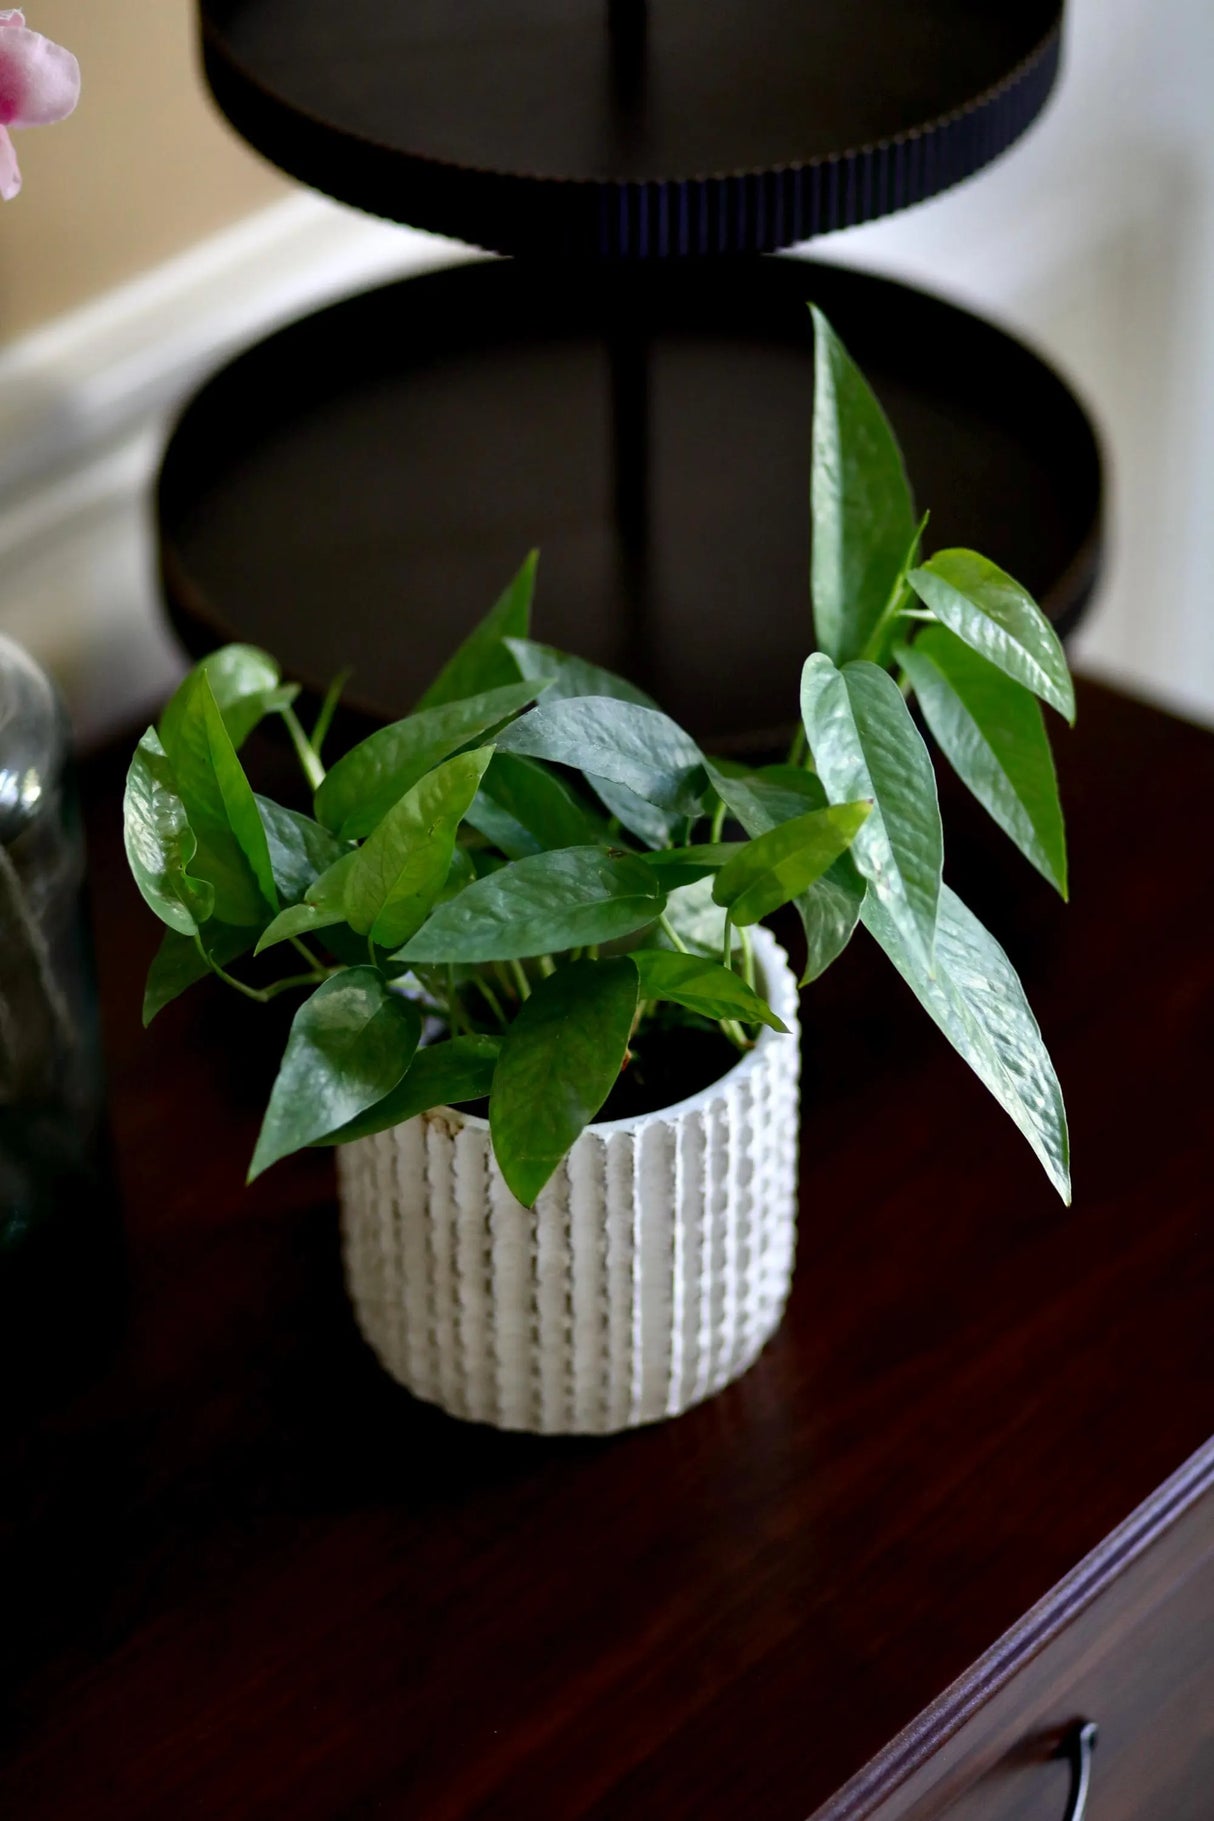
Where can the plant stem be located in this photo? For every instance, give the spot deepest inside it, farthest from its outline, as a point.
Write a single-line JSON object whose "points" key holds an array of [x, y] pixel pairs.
{"points": [[718, 820], [748, 960], [328, 709], [900, 595], [668, 929], [302, 948], [491, 999], [905, 684], [313, 770], [521, 981], [727, 944], [797, 751]]}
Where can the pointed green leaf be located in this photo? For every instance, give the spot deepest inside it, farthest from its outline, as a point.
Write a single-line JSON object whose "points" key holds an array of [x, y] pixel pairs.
{"points": [[232, 849], [702, 985], [863, 515], [246, 684], [177, 963], [993, 733], [483, 661], [350, 1044], [323, 906], [654, 827], [866, 746], [539, 906], [364, 784], [830, 909], [524, 808], [300, 849], [999, 619], [777, 867], [640, 748], [978, 1002], [160, 844], [568, 676], [402, 867], [441, 1075], [559, 1061]]}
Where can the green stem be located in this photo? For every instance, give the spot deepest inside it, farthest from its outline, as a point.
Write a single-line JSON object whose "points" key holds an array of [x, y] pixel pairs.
{"points": [[491, 999], [328, 709], [905, 684], [718, 820], [547, 966], [727, 944], [797, 751], [748, 960], [301, 948], [899, 598], [313, 770], [668, 929], [522, 984]]}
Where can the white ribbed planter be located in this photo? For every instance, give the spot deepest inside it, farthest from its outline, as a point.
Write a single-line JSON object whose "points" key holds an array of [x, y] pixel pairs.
{"points": [[652, 1270]]}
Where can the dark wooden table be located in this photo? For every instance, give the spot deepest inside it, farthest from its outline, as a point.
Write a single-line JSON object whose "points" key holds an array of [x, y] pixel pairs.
{"points": [[243, 1575]]}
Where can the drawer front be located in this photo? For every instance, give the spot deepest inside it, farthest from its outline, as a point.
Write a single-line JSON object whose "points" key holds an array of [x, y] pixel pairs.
{"points": [[1127, 1643]]}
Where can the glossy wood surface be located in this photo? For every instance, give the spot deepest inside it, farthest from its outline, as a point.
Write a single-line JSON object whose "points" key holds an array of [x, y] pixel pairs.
{"points": [[242, 1575]]}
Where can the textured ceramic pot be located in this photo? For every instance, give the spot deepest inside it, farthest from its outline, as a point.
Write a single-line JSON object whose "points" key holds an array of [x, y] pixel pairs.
{"points": [[652, 1270]]}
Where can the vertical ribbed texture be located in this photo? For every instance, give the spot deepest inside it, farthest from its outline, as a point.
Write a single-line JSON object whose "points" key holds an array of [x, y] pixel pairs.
{"points": [[651, 1272]]}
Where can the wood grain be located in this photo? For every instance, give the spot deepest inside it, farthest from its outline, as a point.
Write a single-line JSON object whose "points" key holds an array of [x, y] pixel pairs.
{"points": [[243, 1575]]}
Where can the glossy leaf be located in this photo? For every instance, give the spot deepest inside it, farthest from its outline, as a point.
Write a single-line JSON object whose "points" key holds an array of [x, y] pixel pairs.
{"points": [[526, 809], [362, 787], [178, 965], [978, 1002], [160, 844], [483, 661], [640, 748], [569, 676], [677, 866], [866, 746], [440, 1075], [652, 826], [830, 909], [323, 906], [300, 849], [702, 985], [863, 515], [233, 852], [993, 734], [401, 868], [775, 868], [350, 1044], [246, 684], [541, 905], [559, 1061], [999, 619], [698, 922]]}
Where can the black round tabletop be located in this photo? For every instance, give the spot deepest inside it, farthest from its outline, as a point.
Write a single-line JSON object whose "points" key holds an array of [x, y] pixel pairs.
{"points": [[631, 128], [358, 489]]}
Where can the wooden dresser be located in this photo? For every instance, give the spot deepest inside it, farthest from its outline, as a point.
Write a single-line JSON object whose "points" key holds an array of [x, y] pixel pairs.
{"points": [[963, 1504]]}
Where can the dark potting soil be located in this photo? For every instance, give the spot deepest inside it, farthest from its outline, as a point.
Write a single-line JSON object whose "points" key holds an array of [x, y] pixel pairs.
{"points": [[669, 1063]]}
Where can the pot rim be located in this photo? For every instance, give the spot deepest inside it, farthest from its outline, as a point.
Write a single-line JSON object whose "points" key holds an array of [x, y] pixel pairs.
{"points": [[781, 983]]}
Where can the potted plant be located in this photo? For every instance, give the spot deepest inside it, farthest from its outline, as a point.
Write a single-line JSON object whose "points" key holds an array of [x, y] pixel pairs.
{"points": [[542, 1020]]}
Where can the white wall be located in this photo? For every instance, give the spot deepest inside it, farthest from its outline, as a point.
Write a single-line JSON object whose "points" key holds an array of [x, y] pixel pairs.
{"points": [[1094, 237]]}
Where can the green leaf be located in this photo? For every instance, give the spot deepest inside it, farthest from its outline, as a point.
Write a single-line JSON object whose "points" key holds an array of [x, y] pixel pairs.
{"points": [[300, 849], [401, 869], [569, 677], [654, 827], [830, 909], [677, 866], [779, 866], [524, 808], [441, 1075], [866, 746], [362, 787], [177, 963], [999, 619], [559, 1061], [483, 661], [993, 733], [160, 844], [640, 748], [324, 905], [540, 906], [350, 1044], [863, 515], [978, 1002], [702, 986], [233, 852], [246, 684]]}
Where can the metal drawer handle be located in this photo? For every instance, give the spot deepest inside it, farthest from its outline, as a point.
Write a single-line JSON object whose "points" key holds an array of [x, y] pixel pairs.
{"points": [[1078, 1746]]}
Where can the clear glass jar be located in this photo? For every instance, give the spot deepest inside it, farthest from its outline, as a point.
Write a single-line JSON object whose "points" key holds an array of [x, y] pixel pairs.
{"points": [[56, 1209]]}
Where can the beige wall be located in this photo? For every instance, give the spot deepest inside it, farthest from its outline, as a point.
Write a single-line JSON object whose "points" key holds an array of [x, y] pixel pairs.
{"points": [[143, 168]]}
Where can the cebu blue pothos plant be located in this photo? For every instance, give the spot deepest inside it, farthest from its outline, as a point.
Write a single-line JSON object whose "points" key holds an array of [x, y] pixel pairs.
{"points": [[540, 869]]}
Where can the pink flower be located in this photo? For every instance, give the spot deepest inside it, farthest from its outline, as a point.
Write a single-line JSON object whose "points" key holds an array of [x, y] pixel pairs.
{"points": [[39, 84]]}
